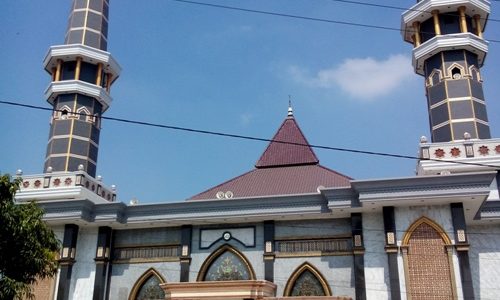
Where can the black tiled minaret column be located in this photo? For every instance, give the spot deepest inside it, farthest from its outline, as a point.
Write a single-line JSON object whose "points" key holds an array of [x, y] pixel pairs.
{"points": [[82, 72], [449, 51]]}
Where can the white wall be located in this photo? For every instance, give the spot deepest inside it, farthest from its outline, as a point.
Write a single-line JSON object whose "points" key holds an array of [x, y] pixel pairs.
{"points": [[83, 274]]}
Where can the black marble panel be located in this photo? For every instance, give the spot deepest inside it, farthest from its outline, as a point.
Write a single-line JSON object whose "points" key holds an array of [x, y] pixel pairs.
{"points": [[461, 109], [93, 151], [471, 59], [57, 163], [96, 5], [432, 63], [484, 131], [480, 111], [442, 134], [74, 37], [460, 128], [65, 99], [477, 89], [80, 4], [94, 135], [92, 39], [454, 56], [75, 162], [91, 169], [79, 147], [61, 127], [439, 114], [436, 93], [94, 21], [78, 19], [60, 145], [458, 88], [82, 128]]}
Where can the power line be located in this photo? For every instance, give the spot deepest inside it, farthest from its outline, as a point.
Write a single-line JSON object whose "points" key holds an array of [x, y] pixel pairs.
{"points": [[302, 17], [245, 137], [401, 8]]}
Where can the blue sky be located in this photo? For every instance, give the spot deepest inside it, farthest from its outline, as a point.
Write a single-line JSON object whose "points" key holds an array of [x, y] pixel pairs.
{"points": [[228, 71]]}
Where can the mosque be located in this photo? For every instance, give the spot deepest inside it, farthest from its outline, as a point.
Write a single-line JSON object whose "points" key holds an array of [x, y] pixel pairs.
{"points": [[289, 228]]}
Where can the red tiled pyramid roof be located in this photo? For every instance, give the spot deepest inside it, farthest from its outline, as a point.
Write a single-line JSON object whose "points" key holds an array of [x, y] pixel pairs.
{"points": [[283, 169], [283, 154]]}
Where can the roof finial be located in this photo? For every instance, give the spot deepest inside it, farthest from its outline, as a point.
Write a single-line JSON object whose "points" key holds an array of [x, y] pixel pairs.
{"points": [[290, 109]]}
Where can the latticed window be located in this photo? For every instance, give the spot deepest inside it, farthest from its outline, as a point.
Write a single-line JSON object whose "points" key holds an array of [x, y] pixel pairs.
{"points": [[429, 270], [150, 290], [307, 285], [228, 266]]}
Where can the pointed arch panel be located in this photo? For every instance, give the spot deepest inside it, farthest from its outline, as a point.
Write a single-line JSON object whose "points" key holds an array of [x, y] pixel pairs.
{"points": [[147, 287], [226, 263], [427, 259], [306, 280]]}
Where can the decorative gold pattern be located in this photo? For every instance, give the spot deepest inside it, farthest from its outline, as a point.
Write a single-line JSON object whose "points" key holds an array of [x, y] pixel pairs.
{"points": [[236, 256], [307, 281], [147, 287]]}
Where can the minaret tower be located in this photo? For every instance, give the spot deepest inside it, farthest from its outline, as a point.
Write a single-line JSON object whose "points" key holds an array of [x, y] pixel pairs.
{"points": [[449, 51], [82, 73]]}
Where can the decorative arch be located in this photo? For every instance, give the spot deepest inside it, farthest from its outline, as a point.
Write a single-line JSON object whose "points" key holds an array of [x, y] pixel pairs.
{"points": [[426, 220], [435, 77], [427, 257], [226, 263], [64, 112], [474, 73], [456, 69], [84, 114], [147, 286], [306, 280]]}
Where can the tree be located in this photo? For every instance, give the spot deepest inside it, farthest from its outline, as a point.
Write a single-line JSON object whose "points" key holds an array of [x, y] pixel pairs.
{"points": [[28, 246]]}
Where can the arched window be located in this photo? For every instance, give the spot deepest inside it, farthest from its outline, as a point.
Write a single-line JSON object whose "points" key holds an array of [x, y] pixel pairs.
{"points": [[84, 114], [474, 73], [456, 71], [435, 77], [64, 112], [427, 256], [226, 263], [306, 281], [148, 287]]}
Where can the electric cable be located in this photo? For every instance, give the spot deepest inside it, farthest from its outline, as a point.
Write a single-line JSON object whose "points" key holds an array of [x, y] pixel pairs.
{"points": [[304, 17], [245, 137]]}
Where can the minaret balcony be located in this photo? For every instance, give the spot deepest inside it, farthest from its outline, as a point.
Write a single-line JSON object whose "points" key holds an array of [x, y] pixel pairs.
{"points": [[53, 186], [457, 41], [422, 11], [459, 156], [57, 88], [87, 54]]}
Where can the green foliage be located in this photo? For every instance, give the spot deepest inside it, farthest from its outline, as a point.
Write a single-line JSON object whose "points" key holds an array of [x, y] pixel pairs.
{"points": [[28, 246]]}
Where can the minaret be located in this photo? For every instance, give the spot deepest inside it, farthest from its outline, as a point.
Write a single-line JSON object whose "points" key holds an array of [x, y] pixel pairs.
{"points": [[449, 51], [82, 73]]}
